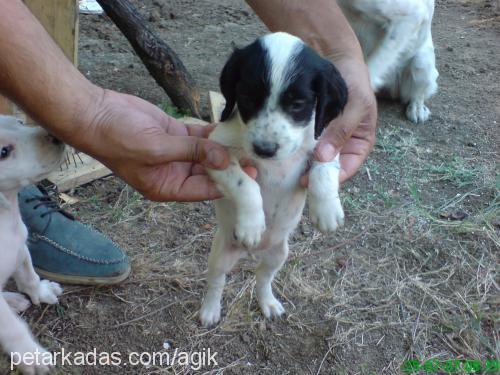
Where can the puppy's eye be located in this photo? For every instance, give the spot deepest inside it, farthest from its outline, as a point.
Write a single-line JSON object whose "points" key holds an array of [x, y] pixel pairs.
{"points": [[6, 151], [298, 105]]}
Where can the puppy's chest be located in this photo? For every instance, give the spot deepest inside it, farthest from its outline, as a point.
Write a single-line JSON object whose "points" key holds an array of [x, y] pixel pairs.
{"points": [[283, 197]]}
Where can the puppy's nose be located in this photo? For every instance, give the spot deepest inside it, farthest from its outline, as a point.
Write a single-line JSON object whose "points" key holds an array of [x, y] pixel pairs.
{"points": [[265, 149]]}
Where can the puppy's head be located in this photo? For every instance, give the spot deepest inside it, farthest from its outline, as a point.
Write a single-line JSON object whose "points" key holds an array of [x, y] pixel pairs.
{"points": [[284, 92], [27, 154]]}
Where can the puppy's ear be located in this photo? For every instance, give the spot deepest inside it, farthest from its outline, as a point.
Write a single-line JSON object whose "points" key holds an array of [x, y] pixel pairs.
{"points": [[4, 202], [331, 95], [228, 79]]}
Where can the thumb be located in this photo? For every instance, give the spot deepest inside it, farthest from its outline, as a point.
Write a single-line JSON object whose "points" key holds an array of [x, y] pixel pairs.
{"points": [[195, 150], [336, 134]]}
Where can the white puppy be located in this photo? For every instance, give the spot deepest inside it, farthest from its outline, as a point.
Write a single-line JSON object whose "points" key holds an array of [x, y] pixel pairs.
{"points": [[396, 39], [26, 155], [285, 95]]}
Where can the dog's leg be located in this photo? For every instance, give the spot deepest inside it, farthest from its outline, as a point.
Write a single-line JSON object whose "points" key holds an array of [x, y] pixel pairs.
{"points": [[325, 208], [272, 261], [16, 301], [29, 282], [419, 82], [404, 18], [16, 340], [244, 193], [221, 260]]}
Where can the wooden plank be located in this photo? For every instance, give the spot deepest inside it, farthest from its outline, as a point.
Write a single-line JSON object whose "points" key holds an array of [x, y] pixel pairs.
{"points": [[60, 19], [193, 121], [217, 104], [81, 170]]}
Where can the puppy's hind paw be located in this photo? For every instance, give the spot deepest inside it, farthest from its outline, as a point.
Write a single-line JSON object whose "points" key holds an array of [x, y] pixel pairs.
{"points": [[209, 313], [17, 301], [326, 215], [271, 307]]}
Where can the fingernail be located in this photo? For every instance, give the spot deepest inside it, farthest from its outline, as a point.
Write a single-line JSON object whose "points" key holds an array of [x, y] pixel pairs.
{"points": [[325, 152], [216, 158]]}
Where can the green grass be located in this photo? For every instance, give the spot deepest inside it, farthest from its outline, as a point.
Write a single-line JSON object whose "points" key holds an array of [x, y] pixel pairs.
{"points": [[457, 172], [173, 110], [396, 143]]}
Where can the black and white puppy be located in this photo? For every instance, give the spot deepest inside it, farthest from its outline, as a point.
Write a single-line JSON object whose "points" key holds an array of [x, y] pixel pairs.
{"points": [[280, 95]]}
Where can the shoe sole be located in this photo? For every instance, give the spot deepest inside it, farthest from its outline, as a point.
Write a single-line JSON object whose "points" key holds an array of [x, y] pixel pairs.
{"points": [[83, 280]]}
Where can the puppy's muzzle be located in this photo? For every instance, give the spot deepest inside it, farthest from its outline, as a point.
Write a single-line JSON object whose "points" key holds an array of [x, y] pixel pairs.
{"points": [[265, 149]]}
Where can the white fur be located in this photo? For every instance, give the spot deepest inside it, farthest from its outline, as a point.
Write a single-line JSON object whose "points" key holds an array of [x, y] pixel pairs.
{"points": [[397, 42], [258, 216], [34, 155]]}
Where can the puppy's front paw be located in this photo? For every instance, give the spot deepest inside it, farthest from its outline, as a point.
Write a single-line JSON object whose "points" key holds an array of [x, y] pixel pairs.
{"points": [[209, 313], [326, 214], [249, 228], [417, 112], [48, 291], [16, 301]]}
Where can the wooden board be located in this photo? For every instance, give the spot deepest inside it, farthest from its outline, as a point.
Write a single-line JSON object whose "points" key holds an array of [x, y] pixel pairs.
{"points": [[193, 121], [60, 19], [81, 170], [217, 104]]}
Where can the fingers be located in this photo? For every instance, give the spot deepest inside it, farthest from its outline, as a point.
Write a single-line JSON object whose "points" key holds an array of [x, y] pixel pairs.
{"points": [[249, 169], [193, 189], [202, 131], [192, 149], [340, 130]]}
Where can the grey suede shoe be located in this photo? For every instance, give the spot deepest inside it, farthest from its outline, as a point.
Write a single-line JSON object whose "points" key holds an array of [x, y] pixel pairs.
{"points": [[65, 250]]}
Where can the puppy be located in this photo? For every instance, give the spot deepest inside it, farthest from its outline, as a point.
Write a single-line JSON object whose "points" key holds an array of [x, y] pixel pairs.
{"points": [[279, 96], [26, 155], [396, 39]]}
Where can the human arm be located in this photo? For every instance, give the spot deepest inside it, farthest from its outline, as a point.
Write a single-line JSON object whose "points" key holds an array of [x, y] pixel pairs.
{"points": [[156, 154], [322, 25]]}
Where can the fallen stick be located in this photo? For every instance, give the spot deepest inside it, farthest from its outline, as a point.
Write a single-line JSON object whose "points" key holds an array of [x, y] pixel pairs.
{"points": [[160, 60]]}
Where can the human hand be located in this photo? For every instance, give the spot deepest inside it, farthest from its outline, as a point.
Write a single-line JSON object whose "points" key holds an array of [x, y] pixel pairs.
{"points": [[353, 132], [159, 156]]}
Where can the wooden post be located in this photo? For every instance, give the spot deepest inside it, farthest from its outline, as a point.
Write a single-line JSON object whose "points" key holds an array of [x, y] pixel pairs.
{"points": [[60, 19]]}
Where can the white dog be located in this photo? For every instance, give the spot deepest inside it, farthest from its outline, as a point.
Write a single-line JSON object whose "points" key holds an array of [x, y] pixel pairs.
{"points": [[26, 155], [285, 95], [396, 39]]}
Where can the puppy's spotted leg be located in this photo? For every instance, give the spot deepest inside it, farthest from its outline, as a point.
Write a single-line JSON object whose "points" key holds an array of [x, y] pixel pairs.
{"points": [[325, 208], [39, 291], [244, 193], [221, 260], [271, 263]]}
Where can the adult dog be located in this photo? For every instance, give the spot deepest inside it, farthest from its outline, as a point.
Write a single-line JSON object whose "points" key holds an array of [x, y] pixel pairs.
{"points": [[26, 155], [396, 39], [279, 96]]}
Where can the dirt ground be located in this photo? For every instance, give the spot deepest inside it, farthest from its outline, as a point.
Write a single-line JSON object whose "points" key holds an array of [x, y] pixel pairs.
{"points": [[412, 275]]}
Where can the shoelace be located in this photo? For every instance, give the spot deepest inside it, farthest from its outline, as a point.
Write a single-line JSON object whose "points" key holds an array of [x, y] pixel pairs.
{"points": [[52, 206]]}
